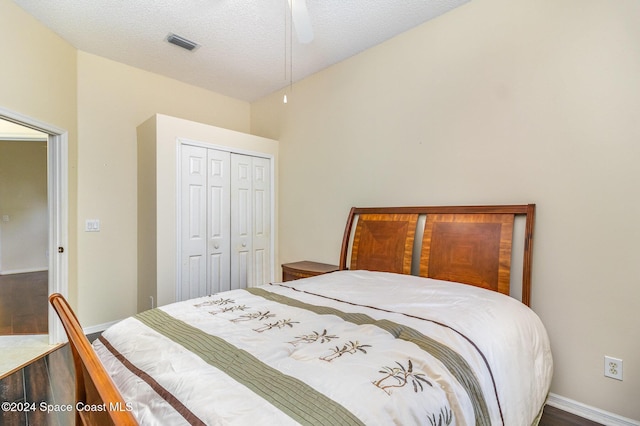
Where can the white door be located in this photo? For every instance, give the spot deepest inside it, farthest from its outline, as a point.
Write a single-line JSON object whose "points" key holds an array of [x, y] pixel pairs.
{"points": [[261, 215], [225, 231], [241, 221], [250, 221], [193, 229], [219, 217]]}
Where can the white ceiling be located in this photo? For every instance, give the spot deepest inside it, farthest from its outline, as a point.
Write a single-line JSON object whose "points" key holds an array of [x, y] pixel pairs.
{"points": [[244, 45]]}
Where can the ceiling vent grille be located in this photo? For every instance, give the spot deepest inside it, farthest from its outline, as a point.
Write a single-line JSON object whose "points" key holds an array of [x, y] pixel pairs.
{"points": [[182, 42]]}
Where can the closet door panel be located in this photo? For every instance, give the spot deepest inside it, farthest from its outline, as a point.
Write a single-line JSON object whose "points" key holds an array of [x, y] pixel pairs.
{"points": [[261, 215], [193, 221], [195, 277], [218, 276], [241, 221], [218, 221]]}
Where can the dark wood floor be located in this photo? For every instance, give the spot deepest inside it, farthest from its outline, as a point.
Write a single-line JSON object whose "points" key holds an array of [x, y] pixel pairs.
{"points": [[50, 380], [23, 303], [555, 417]]}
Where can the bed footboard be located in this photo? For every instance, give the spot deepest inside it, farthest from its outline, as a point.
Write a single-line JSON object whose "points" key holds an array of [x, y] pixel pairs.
{"points": [[98, 401]]}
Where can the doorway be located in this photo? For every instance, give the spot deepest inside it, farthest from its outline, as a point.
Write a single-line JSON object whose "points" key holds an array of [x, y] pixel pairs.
{"points": [[55, 272], [24, 230]]}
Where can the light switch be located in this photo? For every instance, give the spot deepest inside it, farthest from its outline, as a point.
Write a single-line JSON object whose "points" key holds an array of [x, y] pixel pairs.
{"points": [[92, 225], [5, 218]]}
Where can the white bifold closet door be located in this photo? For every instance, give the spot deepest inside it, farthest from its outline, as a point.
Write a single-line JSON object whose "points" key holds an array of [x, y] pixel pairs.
{"points": [[225, 230]]}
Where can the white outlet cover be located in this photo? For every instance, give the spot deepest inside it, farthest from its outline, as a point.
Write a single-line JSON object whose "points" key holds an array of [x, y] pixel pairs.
{"points": [[92, 225], [613, 367]]}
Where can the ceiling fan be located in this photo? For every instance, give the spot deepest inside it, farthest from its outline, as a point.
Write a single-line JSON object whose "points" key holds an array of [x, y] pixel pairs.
{"points": [[301, 21]]}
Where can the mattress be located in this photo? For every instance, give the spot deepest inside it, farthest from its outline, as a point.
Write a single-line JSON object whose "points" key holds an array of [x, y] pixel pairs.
{"points": [[350, 347]]}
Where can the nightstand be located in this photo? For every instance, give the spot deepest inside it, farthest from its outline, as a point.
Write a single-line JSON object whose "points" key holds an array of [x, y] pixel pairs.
{"points": [[305, 269]]}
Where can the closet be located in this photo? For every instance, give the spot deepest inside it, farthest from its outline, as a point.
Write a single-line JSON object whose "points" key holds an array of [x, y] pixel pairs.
{"points": [[218, 203], [225, 217]]}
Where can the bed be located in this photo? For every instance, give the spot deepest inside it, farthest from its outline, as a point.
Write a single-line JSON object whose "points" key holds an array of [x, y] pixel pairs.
{"points": [[417, 327]]}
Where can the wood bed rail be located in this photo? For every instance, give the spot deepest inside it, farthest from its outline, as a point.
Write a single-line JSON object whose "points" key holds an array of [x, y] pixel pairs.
{"points": [[98, 401], [388, 233]]}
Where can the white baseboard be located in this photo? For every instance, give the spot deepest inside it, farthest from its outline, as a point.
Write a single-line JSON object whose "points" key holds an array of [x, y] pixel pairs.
{"points": [[23, 271], [590, 413], [98, 328]]}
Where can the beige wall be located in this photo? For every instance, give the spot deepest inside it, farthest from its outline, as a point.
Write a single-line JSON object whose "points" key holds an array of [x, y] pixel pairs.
{"points": [[499, 101], [38, 74], [113, 99], [24, 236]]}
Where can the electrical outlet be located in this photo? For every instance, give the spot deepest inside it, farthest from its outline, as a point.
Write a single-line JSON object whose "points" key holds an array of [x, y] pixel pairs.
{"points": [[613, 367]]}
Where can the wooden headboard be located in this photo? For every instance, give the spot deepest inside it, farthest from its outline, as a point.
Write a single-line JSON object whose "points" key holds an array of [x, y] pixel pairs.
{"points": [[466, 244]]}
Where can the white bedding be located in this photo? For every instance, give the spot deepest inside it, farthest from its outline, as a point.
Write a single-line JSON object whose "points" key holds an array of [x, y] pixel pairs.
{"points": [[385, 350]]}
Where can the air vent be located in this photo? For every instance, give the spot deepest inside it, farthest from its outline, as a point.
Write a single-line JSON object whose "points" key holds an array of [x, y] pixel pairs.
{"points": [[182, 42]]}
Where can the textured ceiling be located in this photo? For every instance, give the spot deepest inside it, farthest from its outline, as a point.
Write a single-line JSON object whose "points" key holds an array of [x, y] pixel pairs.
{"points": [[244, 45]]}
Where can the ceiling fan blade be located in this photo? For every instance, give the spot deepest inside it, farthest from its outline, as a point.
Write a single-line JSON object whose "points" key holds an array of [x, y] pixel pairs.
{"points": [[301, 20]]}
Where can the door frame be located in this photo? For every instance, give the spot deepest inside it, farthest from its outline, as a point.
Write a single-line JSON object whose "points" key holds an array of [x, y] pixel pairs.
{"points": [[57, 204], [186, 141]]}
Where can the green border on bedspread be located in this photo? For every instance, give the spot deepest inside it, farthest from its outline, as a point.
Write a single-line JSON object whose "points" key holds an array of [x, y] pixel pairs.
{"points": [[290, 395], [455, 363]]}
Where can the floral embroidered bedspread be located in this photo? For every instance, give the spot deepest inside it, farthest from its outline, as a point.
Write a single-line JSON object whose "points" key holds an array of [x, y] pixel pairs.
{"points": [[351, 347]]}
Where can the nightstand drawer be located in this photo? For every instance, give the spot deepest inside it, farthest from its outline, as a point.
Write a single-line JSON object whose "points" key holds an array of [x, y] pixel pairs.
{"points": [[305, 269]]}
